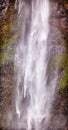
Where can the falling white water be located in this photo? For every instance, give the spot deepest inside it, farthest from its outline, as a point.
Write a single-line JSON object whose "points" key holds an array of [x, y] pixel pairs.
{"points": [[34, 97]]}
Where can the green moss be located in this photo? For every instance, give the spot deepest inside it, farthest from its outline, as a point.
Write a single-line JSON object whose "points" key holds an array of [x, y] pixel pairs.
{"points": [[59, 61], [5, 57], [6, 43], [64, 81], [62, 60], [11, 28], [66, 69], [8, 28]]}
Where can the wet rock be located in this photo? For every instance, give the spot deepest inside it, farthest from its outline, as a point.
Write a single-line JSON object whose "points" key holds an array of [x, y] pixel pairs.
{"points": [[59, 20], [6, 89], [6, 51], [59, 16], [3, 7], [64, 23]]}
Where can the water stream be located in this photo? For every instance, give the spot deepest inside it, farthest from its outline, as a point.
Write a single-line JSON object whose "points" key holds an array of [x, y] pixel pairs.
{"points": [[34, 96]]}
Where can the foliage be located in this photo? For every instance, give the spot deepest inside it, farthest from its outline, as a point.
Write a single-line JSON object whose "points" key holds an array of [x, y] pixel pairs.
{"points": [[5, 56], [64, 81], [7, 34], [61, 62]]}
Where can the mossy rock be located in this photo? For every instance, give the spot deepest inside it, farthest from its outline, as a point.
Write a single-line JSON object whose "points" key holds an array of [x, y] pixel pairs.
{"points": [[64, 81], [59, 61], [5, 56], [62, 61], [6, 43], [62, 43], [8, 28], [12, 28]]}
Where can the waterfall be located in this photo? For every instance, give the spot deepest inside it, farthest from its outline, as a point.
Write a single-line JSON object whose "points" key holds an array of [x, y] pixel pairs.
{"points": [[34, 96]]}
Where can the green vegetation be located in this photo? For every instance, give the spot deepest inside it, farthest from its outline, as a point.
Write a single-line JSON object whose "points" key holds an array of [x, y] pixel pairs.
{"points": [[61, 62], [5, 56], [64, 81], [8, 35]]}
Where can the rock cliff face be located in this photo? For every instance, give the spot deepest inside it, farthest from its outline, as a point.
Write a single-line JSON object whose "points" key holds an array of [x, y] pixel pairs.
{"points": [[59, 40], [7, 28], [59, 21], [3, 7]]}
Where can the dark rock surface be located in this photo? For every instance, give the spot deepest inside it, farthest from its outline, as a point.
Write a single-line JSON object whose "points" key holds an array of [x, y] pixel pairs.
{"points": [[59, 19], [3, 7]]}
